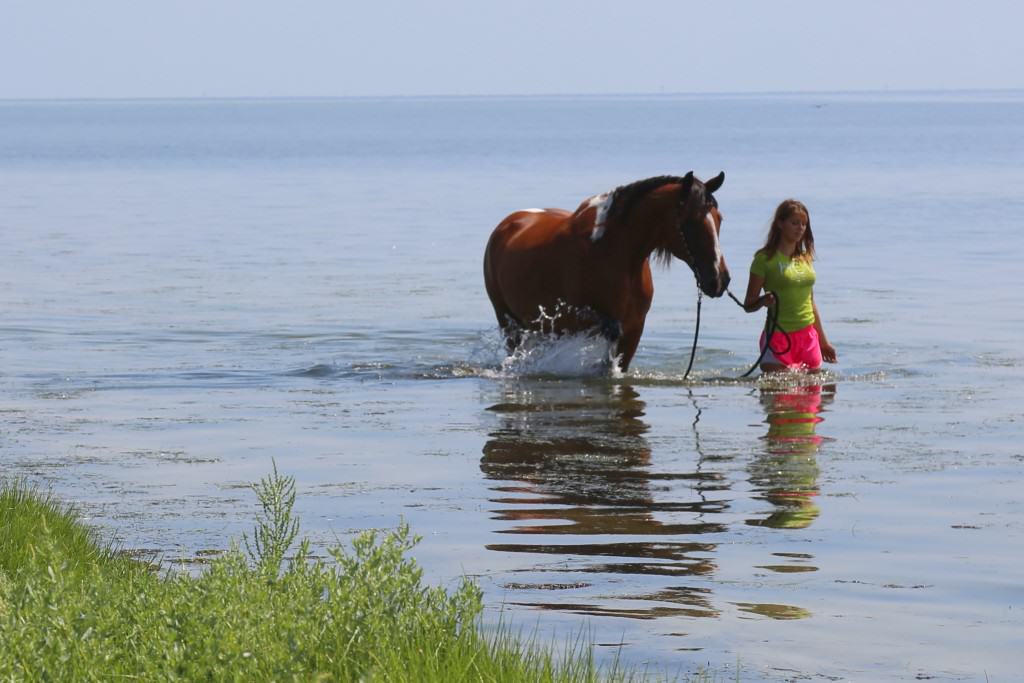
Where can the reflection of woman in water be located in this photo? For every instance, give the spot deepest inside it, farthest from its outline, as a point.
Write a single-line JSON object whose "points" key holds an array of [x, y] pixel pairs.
{"points": [[787, 474]]}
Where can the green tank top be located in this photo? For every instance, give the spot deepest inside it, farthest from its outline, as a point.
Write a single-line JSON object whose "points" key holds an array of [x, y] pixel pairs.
{"points": [[792, 280]]}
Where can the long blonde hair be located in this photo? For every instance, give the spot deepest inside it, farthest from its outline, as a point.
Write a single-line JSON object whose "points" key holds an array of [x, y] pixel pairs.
{"points": [[804, 248]]}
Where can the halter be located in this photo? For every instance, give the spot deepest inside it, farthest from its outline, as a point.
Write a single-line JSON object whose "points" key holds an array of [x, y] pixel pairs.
{"points": [[692, 262]]}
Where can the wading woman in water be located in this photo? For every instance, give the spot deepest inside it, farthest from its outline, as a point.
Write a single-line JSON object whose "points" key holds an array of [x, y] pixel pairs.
{"points": [[783, 269]]}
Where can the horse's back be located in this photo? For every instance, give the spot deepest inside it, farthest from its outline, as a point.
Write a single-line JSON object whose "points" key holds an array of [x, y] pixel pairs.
{"points": [[527, 227], [523, 234]]}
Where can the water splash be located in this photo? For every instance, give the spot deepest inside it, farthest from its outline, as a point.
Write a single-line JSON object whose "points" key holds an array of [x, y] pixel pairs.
{"points": [[569, 355], [542, 354]]}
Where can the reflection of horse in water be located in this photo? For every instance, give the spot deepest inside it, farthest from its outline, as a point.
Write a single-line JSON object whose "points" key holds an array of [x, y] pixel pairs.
{"points": [[572, 460], [786, 475], [590, 267], [584, 452], [575, 445]]}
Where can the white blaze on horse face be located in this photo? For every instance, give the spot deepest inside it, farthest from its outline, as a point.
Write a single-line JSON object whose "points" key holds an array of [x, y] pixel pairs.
{"points": [[709, 224], [602, 203]]}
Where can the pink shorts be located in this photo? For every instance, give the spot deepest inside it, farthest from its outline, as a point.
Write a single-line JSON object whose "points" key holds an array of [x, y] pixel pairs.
{"points": [[803, 351]]}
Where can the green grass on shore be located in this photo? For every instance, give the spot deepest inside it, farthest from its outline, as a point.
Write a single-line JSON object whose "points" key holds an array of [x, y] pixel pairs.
{"points": [[73, 609]]}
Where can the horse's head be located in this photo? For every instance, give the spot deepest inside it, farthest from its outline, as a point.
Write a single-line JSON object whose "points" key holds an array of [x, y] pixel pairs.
{"points": [[695, 238]]}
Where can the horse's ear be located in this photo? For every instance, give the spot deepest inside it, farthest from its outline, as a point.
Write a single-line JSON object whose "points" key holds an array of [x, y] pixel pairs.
{"points": [[715, 182], [687, 184]]}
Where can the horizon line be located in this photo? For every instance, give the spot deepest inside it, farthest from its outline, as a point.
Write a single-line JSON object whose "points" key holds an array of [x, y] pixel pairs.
{"points": [[485, 96]]}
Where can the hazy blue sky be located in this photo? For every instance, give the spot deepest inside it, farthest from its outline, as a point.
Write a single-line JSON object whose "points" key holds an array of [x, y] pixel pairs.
{"points": [[255, 48]]}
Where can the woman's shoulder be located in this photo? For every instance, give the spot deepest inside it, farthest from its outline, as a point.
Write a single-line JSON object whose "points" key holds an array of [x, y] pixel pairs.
{"points": [[760, 265]]}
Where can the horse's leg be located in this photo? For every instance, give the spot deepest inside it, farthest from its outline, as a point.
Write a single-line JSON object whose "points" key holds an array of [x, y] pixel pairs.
{"points": [[507, 323], [510, 326], [511, 330], [610, 328], [628, 343], [587, 319], [627, 349]]}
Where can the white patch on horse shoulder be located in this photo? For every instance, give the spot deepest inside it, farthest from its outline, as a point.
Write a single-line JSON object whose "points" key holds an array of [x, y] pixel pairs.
{"points": [[602, 203]]}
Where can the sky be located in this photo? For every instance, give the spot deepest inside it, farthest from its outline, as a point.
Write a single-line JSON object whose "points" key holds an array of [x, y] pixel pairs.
{"points": [[321, 48]]}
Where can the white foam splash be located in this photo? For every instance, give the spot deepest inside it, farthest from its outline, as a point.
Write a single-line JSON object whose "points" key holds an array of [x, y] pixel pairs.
{"points": [[568, 355], [577, 355]]}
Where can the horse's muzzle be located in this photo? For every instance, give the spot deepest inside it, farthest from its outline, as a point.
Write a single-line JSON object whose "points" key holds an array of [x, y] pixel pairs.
{"points": [[714, 283]]}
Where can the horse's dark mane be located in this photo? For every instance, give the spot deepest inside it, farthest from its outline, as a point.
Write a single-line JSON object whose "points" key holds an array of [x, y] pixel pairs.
{"points": [[625, 196]]}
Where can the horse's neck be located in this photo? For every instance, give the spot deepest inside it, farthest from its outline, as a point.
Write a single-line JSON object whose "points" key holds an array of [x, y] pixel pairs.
{"points": [[642, 231]]}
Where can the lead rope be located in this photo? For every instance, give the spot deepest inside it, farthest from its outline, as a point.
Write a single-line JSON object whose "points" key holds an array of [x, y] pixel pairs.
{"points": [[696, 333], [771, 327]]}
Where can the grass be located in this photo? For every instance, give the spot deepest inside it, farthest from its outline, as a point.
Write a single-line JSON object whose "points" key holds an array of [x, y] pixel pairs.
{"points": [[74, 609]]}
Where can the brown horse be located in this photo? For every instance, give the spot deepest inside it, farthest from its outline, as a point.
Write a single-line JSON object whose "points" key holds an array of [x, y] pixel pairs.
{"points": [[560, 272]]}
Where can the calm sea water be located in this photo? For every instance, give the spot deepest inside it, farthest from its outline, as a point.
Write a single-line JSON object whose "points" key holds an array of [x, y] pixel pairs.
{"points": [[193, 290]]}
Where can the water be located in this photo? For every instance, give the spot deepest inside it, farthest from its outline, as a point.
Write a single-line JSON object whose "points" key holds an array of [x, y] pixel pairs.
{"points": [[192, 290]]}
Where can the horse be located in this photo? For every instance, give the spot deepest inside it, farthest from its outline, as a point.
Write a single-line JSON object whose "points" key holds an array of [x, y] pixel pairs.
{"points": [[556, 271]]}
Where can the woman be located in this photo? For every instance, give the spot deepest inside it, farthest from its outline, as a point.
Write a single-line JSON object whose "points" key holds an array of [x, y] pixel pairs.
{"points": [[783, 269]]}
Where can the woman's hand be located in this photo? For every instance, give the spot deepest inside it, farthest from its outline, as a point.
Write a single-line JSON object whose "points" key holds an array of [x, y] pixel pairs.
{"points": [[759, 303], [828, 352]]}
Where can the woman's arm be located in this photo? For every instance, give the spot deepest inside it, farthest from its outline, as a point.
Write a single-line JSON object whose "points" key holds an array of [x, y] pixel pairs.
{"points": [[754, 301], [828, 352]]}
